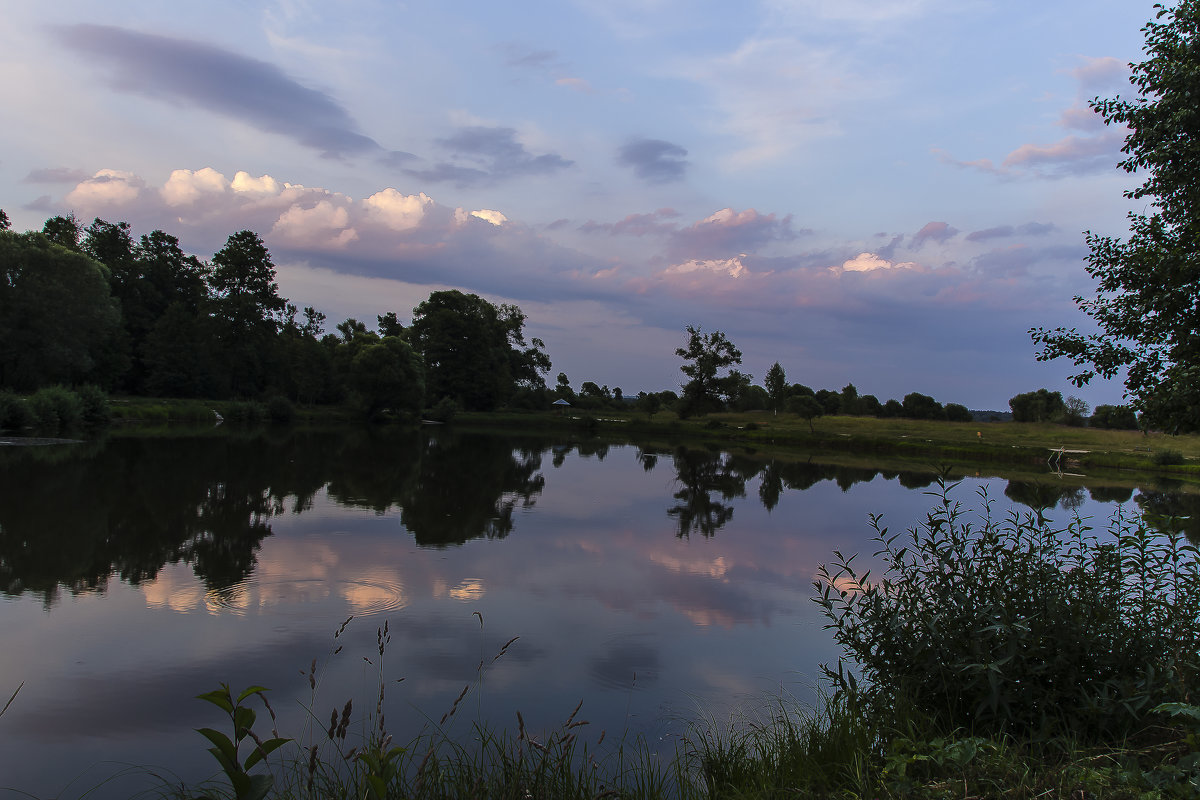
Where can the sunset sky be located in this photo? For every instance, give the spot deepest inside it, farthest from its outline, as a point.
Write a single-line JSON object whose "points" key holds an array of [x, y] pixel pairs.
{"points": [[888, 193]]}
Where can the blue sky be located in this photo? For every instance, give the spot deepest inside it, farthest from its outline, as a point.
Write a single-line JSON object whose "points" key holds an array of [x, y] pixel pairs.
{"points": [[882, 192]]}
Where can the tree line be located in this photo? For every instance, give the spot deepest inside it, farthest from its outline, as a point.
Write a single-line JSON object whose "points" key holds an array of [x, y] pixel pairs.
{"points": [[95, 306]]}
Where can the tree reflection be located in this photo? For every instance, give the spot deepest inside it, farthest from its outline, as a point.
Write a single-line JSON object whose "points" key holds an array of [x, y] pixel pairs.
{"points": [[706, 478], [1172, 511]]}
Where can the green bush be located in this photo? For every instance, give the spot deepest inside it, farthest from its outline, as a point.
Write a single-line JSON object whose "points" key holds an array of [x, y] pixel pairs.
{"points": [[55, 409], [280, 409], [15, 414], [1164, 458], [444, 411], [248, 412], [1019, 627], [95, 409]]}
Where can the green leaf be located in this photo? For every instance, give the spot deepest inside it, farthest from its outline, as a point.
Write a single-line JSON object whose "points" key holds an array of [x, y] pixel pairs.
{"points": [[249, 691], [258, 788], [268, 747], [225, 751], [219, 698]]}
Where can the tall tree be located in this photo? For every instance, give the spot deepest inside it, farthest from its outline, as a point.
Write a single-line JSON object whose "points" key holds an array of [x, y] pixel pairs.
{"points": [[58, 320], [776, 385], [473, 351], [248, 309], [1145, 303], [705, 357]]}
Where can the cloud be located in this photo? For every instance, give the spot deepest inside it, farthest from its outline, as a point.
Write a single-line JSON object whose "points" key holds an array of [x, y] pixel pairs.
{"points": [[636, 224], [184, 187], [398, 211], [1097, 75], [933, 232], [1071, 155], [490, 154], [187, 72], [867, 262], [727, 233], [55, 175], [108, 187], [654, 160], [733, 267], [578, 84]]}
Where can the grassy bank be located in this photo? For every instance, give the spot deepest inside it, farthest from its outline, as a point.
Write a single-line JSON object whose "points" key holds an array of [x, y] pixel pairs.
{"points": [[1042, 446]]}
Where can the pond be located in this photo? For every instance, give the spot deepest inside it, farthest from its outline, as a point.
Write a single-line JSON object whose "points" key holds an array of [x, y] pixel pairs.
{"points": [[656, 585]]}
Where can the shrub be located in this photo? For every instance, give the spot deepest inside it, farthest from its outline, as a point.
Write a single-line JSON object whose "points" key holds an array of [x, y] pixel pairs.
{"points": [[1164, 458], [1016, 626], [444, 411], [55, 409], [280, 409], [15, 414], [95, 409], [246, 411]]}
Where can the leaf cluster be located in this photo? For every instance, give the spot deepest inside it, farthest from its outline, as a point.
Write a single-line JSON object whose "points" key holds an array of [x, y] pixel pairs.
{"points": [[1013, 625]]}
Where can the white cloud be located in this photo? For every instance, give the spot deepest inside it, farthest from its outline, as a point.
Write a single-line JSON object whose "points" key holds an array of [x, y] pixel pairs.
{"points": [[400, 212], [488, 215], [316, 225], [106, 187], [244, 183], [184, 187], [869, 262]]}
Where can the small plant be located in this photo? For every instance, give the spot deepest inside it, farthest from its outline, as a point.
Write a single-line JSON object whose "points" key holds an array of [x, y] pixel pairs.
{"points": [[225, 750]]}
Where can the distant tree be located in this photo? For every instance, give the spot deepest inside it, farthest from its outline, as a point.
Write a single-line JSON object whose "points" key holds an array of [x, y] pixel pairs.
{"points": [[562, 387], [1075, 411], [705, 357], [922, 406], [65, 231], [849, 400], [869, 405], [1114, 417], [831, 402], [776, 385], [752, 398], [806, 407], [4, 223], [649, 403], [892, 408], [1040, 406], [314, 323], [389, 325], [956, 412]]}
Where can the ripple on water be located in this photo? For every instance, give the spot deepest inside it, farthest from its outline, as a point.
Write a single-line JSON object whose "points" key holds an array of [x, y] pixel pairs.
{"points": [[296, 597]]}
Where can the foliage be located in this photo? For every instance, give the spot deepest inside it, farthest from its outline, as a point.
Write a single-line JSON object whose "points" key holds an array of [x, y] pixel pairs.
{"points": [[956, 412], [58, 321], [94, 409], [1012, 625], [474, 351], [15, 414], [705, 357], [443, 411], [1075, 411], [1040, 406], [225, 750], [806, 407], [922, 406], [56, 409], [1147, 284], [1114, 417], [280, 409], [776, 385], [1164, 458], [388, 375]]}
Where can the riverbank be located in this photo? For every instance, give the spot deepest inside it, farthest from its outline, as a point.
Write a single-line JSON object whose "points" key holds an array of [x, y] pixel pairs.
{"points": [[1039, 447]]}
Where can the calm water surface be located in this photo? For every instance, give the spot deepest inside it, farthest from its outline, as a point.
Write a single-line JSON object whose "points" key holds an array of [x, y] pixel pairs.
{"points": [[657, 587]]}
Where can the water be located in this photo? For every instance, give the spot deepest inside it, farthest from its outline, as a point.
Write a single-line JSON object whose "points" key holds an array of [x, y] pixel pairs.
{"points": [[658, 587]]}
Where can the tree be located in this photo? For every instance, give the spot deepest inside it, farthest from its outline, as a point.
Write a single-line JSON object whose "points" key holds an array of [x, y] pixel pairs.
{"points": [[387, 374], [248, 309], [776, 385], [389, 325], [705, 356], [1040, 406], [473, 351], [806, 407], [957, 412], [1075, 411], [922, 406], [1148, 283], [1115, 417], [4, 223]]}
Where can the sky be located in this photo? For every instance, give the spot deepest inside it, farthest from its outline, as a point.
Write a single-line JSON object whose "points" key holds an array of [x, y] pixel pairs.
{"points": [[888, 193]]}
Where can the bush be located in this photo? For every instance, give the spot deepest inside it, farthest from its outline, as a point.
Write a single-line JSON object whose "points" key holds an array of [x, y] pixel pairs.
{"points": [[246, 412], [95, 409], [1015, 626], [280, 409], [55, 409], [1165, 458], [15, 414], [444, 411]]}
